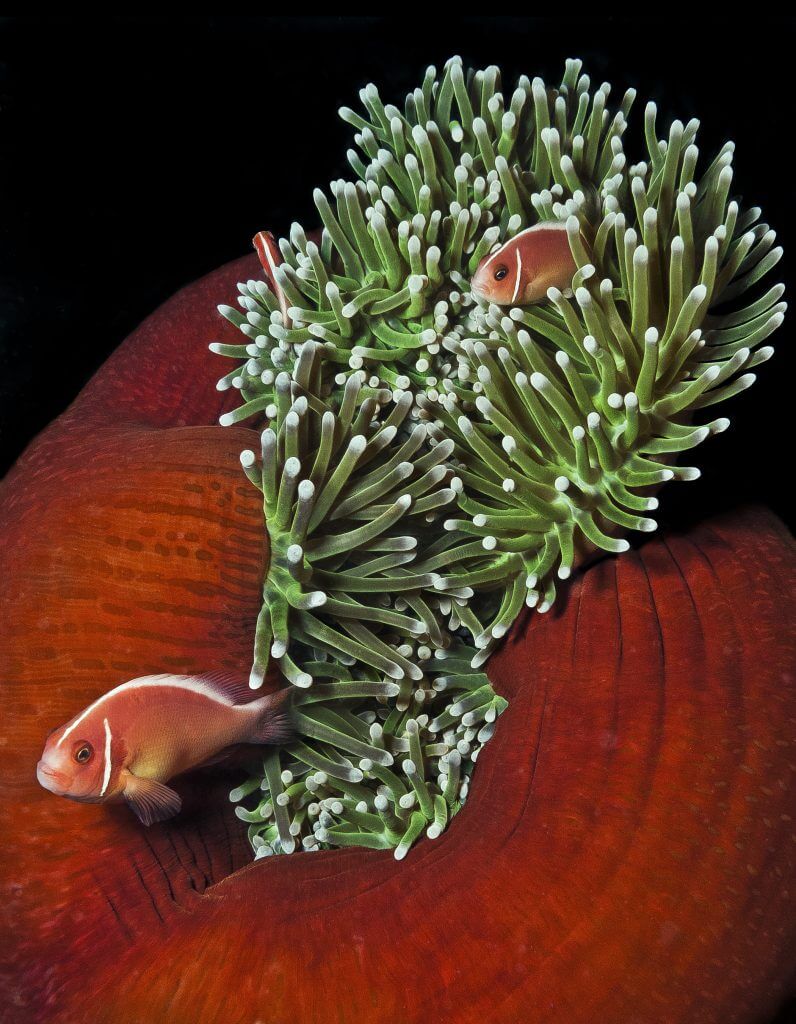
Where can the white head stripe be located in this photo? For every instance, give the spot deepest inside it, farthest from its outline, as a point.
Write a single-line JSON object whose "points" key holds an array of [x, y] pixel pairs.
{"points": [[270, 258], [180, 682], [106, 775], [497, 252], [519, 276]]}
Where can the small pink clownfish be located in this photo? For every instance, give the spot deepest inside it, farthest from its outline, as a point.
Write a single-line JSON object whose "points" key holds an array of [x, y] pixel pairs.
{"points": [[270, 258], [522, 269], [133, 739]]}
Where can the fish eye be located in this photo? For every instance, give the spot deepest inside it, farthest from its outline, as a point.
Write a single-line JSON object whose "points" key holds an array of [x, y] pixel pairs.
{"points": [[501, 272], [82, 752]]}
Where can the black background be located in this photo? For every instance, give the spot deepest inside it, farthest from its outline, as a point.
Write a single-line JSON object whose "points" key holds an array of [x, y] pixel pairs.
{"points": [[137, 154]]}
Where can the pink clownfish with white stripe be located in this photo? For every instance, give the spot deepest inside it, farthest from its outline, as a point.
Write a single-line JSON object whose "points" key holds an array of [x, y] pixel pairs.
{"points": [[133, 739], [270, 258], [522, 269]]}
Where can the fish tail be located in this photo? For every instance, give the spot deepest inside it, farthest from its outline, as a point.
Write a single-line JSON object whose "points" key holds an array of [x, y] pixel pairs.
{"points": [[274, 717]]}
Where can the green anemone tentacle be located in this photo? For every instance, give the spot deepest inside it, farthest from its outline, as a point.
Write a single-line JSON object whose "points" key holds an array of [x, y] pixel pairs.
{"points": [[433, 463]]}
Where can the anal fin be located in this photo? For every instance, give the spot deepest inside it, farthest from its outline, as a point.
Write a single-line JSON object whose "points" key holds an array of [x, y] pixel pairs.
{"points": [[150, 800]]}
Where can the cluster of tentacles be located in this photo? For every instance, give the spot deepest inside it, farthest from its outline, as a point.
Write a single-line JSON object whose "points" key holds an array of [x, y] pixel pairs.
{"points": [[431, 464]]}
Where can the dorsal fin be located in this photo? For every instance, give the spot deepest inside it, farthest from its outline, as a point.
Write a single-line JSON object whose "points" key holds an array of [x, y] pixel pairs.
{"points": [[232, 685]]}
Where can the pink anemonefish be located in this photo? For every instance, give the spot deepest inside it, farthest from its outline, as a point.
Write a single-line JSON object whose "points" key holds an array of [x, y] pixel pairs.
{"points": [[270, 258], [524, 267], [133, 739]]}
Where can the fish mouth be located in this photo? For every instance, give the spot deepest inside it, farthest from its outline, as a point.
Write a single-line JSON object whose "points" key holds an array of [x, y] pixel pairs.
{"points": [[478, 293], [50, 778]]}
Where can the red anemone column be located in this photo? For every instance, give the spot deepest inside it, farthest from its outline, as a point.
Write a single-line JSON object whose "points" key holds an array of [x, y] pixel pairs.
{"points": [[627, 851]]}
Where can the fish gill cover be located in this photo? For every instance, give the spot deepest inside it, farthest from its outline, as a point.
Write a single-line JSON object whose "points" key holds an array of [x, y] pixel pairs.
{"points": [[432, 464]]}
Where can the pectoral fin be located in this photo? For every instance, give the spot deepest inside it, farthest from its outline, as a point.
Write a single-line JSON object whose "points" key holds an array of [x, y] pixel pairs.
{"points": [[150, 800]]}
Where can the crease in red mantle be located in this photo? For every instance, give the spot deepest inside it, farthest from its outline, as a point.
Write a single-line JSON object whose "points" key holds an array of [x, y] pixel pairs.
{"points": [[627, 850]]}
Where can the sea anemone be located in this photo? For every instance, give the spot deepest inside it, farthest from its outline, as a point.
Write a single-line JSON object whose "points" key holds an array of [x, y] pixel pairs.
{"points": [[627, 842], [356, 628], [534, 435]]}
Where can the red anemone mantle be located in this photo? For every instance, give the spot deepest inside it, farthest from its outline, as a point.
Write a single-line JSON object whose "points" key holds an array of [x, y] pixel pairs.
{"points": [[627, 851]]}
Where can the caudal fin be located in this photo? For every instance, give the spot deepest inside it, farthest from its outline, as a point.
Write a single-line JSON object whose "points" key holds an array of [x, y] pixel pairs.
{"points": [[274, 723]]}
